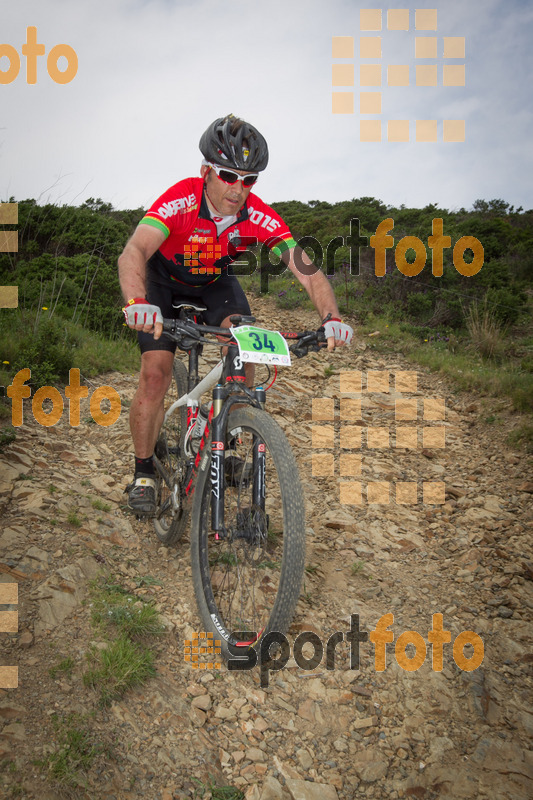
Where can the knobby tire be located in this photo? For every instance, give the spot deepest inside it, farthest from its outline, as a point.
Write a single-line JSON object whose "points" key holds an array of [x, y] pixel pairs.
{"points": [[251, 580], [170, 525]]}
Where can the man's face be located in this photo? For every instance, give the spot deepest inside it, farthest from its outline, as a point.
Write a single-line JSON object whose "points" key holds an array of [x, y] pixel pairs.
{"points": [[226, 199]]}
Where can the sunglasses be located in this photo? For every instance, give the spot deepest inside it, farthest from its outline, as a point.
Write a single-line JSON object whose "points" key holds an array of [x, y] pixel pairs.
{"points": [[230, 177]]}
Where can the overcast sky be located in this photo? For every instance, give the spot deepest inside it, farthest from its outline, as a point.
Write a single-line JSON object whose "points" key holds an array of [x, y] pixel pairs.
{"points": [[153, 74]]}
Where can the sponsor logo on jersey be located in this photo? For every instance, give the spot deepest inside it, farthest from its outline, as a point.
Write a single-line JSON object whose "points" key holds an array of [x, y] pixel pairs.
{"points": [[181, 204], [234, 237]]}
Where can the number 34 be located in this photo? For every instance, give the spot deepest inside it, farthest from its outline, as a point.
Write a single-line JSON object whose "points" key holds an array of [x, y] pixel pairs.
{"points": [[267, 343]]}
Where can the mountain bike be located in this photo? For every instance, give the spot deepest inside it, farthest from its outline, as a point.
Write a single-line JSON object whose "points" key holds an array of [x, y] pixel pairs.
{"points": [[226, 465]]}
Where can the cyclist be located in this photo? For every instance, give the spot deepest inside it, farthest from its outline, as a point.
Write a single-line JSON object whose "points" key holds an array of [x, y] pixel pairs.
{"points": [[181, 250]]}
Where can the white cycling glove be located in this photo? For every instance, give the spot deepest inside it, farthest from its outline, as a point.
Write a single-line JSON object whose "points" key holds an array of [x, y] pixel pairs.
{"points": [[140, 312], [338, 329]]}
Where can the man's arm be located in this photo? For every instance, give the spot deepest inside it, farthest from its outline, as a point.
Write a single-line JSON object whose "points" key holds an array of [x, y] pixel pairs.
{"points": [[316, 285], [132, 268]]}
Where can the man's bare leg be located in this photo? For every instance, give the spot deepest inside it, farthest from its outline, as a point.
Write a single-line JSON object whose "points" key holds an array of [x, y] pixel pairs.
{"points": [[147, 408]]}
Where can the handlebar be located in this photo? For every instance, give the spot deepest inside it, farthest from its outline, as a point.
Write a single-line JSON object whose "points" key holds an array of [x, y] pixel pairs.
{"points": [[188, 334]]}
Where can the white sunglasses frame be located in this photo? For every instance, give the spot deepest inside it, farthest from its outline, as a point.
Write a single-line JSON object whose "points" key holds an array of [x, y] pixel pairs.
{"points": [[218, 168]]}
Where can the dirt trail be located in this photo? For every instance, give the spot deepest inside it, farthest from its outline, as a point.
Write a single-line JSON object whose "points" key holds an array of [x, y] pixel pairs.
{"points": [[342, 733]]}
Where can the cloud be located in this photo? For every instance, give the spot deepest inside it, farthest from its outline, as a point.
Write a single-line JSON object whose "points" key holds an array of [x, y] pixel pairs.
{"points": [[152, 75]]}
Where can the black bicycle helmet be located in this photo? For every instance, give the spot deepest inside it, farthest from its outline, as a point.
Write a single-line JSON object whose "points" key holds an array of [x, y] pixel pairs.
{"points": [[232, 142]]}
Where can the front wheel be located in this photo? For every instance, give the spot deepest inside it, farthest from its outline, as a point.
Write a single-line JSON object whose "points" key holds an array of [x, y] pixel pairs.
{"points": [[171, 516], [248, 579]]}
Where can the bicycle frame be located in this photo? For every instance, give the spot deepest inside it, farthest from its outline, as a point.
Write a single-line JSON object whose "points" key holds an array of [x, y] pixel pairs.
{"points": [[193, 397], [227, 381], [215, 425]]}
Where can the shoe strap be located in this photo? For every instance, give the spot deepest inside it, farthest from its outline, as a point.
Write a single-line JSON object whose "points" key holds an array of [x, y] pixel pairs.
{"points": [[144, 482]]}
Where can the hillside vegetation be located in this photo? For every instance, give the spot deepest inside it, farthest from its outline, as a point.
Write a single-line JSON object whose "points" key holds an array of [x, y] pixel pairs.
{"points": [[69, 296]]}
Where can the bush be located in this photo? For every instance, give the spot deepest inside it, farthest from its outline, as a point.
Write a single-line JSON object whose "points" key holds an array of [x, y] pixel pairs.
{"points": [[48, 353], [419, 304], [505, 304]]}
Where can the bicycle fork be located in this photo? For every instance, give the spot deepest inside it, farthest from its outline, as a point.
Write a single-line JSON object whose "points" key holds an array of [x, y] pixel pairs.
{"points": [[218, 453]]}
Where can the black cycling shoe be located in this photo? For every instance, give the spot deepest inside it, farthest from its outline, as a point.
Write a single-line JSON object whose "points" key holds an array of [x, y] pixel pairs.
{"points": [[237, 471], [141, 495]]}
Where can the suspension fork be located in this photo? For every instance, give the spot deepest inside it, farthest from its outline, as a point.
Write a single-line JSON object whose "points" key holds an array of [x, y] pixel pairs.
{"points": [[259, 460], [233, 371], [218, 452]]}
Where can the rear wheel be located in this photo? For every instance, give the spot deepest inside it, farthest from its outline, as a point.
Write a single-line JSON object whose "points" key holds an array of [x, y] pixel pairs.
{"points": [[249, 579], [171, 517]]}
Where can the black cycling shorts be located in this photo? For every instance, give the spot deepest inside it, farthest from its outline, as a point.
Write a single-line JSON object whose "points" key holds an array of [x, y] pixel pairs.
{"points": [[222, 297]]}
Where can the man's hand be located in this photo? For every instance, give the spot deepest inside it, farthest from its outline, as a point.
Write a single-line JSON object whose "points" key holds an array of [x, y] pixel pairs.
{"points": [[337, 333], [143, 316]]}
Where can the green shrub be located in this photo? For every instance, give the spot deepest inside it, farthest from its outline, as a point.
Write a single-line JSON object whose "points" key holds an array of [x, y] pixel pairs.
{"points": [[48, 353], [419, 304]]}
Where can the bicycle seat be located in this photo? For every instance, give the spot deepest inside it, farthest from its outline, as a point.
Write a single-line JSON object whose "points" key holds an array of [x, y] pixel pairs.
{"points": [[189, 307]]}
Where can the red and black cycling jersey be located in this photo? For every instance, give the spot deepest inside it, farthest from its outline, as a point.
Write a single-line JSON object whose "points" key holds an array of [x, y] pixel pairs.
{"points": [[192, 252]]}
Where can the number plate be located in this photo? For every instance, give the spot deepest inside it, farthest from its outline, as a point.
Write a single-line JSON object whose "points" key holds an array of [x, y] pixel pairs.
{"points": [[261, 346]]}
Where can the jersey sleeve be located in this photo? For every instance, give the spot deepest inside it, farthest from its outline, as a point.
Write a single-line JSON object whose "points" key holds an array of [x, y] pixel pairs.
{"points": [[169, 212]]}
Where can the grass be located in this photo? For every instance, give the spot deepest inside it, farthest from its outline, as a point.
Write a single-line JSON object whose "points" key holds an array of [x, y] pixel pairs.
{"points": [[216, 792], [114, 607], [73, 519], [147, 580], [268, 564], [93, 353], [126, 661], [223, 558], [7, 436], [460, 359], [76, 751], [485, 332], [274, 536], [99, 505], [120, 667], [472, 374], [482, 357], [66, 666], [522, 437]]}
